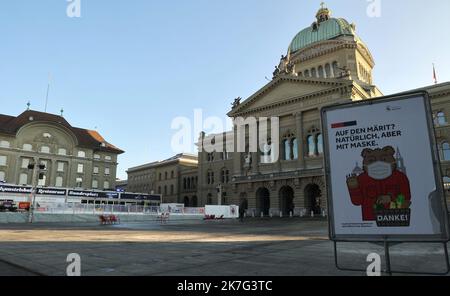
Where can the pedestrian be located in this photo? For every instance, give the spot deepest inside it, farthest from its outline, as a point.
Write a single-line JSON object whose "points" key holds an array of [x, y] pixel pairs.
{"points": [[241, 214]]}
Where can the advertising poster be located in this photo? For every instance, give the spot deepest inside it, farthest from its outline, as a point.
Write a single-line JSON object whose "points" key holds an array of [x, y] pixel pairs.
{"points": [[381, 174]]}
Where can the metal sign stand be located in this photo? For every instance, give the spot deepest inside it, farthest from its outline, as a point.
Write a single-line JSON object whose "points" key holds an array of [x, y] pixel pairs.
{"points": [[387, 256]]}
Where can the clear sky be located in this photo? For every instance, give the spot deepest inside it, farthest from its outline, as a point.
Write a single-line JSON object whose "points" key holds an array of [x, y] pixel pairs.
{"points": [[127, 68]]}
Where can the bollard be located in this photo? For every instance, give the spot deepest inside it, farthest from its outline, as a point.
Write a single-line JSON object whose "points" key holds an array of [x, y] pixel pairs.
{"points": [[312, 214], [281, 214], [302, 213], [271, 215], [253, 214], [323, 213], [291, 214], [262, 215]]}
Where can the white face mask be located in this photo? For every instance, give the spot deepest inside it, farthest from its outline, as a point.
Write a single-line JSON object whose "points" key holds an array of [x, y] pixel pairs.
{"points": [[379, 170]]}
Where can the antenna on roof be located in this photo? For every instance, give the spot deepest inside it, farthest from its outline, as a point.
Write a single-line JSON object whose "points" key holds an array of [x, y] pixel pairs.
{"points": [[48, 91], [62, 112]]}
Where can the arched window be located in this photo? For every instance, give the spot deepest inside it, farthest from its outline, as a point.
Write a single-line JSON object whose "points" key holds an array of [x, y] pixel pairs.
{"points": [[311, 146], [320, 69], [446, 183], [440, 118], [210, 177], [184, 183], [294, 142], [225, 176], [171, 189], [300, 74], [445, 151], [287, 150], [266, 153], [335, 69], [313, 73], [172, 174], [165, 190], [328, 70], [188, 183], [319, 144], [306, 73]]}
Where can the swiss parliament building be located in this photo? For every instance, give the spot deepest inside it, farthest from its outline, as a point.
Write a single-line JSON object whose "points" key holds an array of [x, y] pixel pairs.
{"points": [[326, 63]]}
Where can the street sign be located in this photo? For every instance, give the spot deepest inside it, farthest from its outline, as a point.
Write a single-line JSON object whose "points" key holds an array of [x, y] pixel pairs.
{"points": [[382, 170]]}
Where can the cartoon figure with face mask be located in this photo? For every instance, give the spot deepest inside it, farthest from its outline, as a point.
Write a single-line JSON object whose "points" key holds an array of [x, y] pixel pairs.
{"points": [[381, 184]]}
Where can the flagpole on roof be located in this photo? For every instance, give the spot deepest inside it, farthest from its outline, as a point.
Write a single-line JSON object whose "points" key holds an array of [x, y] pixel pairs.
{"points": [[434, 75], [48, 91]]}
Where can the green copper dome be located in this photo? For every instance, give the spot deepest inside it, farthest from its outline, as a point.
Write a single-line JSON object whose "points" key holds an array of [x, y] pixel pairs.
{"points": [[321, 31]]}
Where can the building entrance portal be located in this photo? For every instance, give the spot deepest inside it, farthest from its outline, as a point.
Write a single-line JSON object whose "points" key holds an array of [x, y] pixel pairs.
{"points": [[287, 200], [313, 198], [263, 201]]}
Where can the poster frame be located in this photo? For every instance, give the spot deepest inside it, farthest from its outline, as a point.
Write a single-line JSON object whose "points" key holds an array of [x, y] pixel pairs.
{"points": [[442, 238]]}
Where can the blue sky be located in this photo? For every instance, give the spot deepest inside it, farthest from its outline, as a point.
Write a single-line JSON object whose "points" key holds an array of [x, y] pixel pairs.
{"points": [[127, 68]]}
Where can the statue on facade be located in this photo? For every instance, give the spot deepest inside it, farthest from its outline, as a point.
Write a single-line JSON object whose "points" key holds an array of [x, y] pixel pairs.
{"points": [[290, 67], [236, 102], [276, 72]]}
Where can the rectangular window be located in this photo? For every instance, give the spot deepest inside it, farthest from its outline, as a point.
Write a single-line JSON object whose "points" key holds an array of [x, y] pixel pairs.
{"points": [[3, 160], [4, 144], [23, 179], [60, 166], [25, 163], [79, 182], [108, 158], [94, 184], [59, 181], [96, 170], [80, 168], [2, 176], [107, 171], [106, 185]]}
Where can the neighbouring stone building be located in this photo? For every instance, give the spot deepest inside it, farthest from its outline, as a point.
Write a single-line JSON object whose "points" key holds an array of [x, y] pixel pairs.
{"points": [[73, 157], [168, 177]]}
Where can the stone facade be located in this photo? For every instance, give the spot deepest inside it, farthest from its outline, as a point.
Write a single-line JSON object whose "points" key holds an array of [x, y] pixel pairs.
{"points": [[319, 74], [165, 177], [73, 157], [318, 70]]}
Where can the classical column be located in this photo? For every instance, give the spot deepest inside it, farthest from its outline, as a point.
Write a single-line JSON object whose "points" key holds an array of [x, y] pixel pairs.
{"points": [[256, 155], [300, 139], [237, 156]]}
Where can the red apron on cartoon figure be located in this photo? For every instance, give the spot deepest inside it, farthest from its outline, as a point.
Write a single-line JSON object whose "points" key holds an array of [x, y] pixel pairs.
{"points": [[381, 183]]}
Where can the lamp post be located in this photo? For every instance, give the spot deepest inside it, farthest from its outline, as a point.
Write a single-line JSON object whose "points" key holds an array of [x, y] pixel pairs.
{"points": [[35, 181]]}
